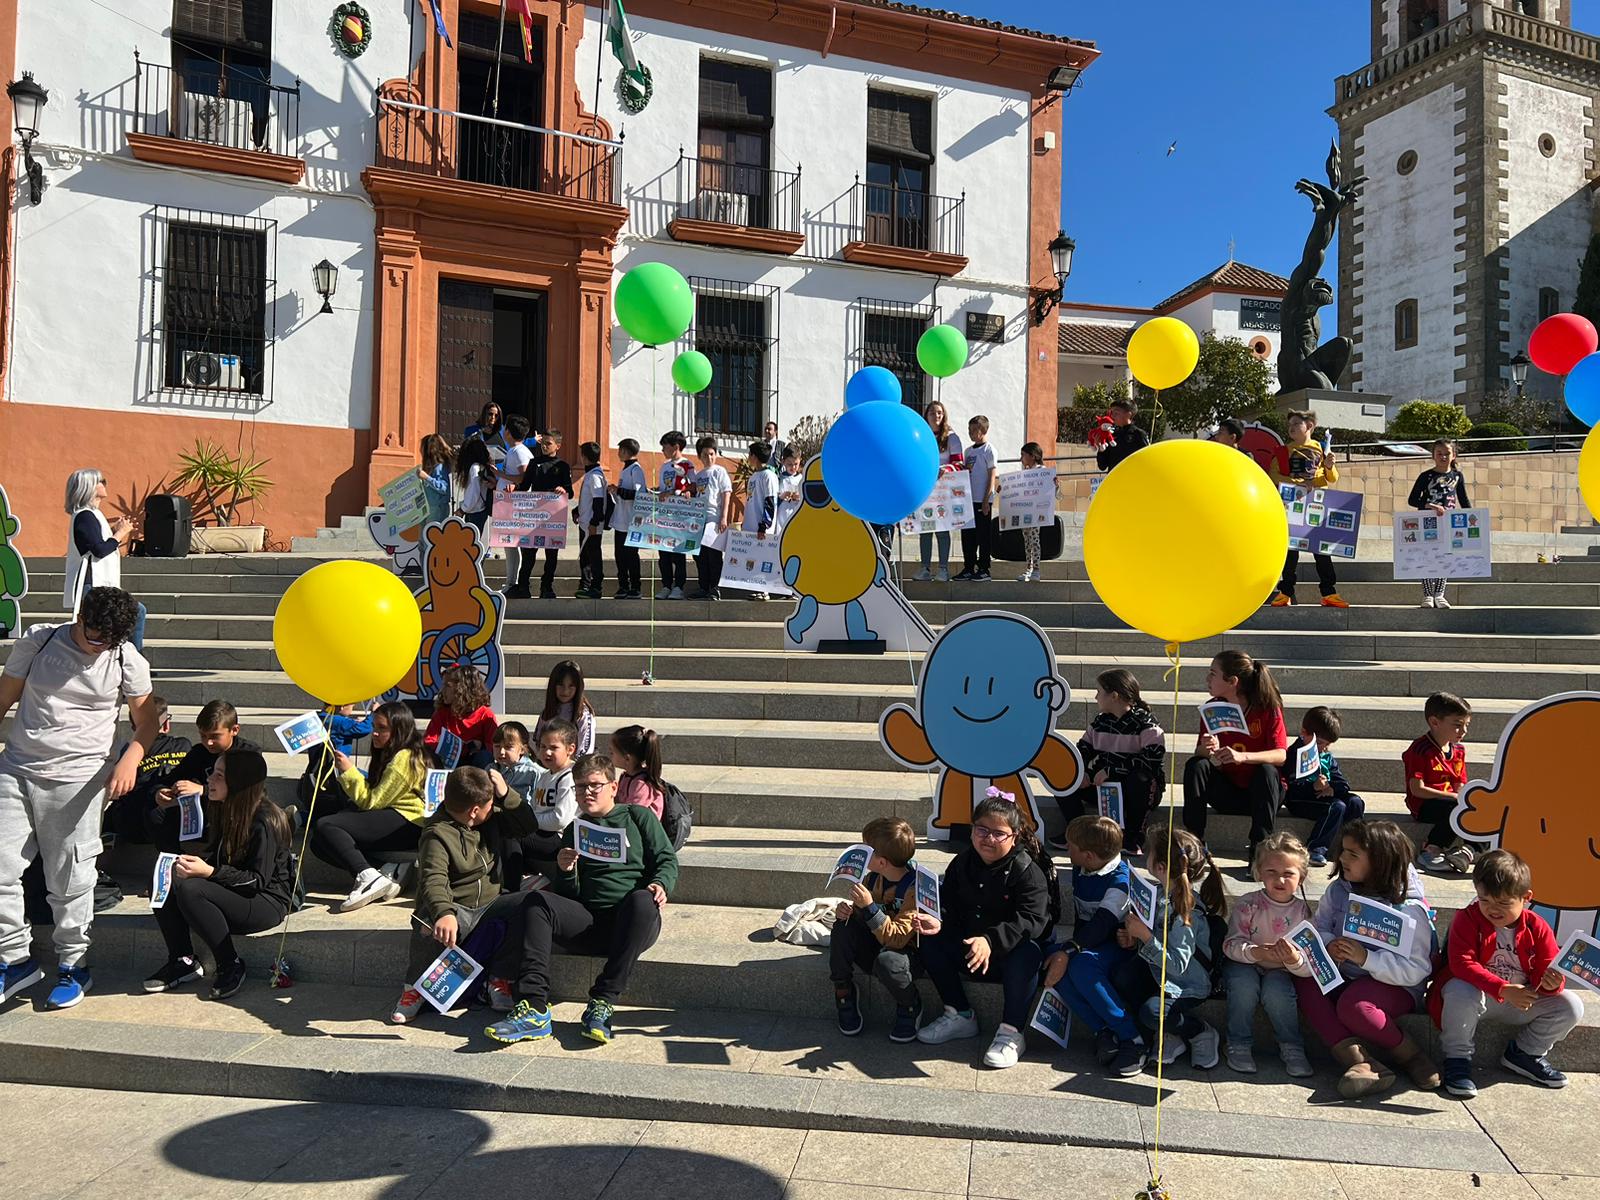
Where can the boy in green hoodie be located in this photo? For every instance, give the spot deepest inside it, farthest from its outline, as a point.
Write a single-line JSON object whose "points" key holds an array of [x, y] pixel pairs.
{"points": [[613, 907]]}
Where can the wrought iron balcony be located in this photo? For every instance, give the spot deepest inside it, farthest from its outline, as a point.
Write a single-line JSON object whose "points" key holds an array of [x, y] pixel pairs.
{"points": [[224, 107], [898, 227]]}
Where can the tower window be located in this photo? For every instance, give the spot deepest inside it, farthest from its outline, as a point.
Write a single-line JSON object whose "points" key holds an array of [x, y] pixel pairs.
{"points": [[1549, 303], [1407, 162], [1547, 145], [1422, 16], [1528, 8], [1405, 325]]}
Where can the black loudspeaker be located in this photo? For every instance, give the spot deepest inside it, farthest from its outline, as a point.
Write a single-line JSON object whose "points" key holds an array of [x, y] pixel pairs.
{"points": [[166, 526]]}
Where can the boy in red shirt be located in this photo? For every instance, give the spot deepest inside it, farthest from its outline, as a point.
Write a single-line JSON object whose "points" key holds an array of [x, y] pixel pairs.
{"points": [[1436, 771], [1498, 965]]}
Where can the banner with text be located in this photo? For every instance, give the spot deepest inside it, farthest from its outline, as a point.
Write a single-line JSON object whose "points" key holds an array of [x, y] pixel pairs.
{"points": [[405, 502], [1027, 499], [1322, 520], [949, 507], [1452, 546], [674, 524], [529, 521], [751, 564]]}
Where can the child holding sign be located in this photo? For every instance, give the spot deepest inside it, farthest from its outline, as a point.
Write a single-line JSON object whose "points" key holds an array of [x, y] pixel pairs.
{"points": [[1125, 746], [1324, 795], [1238, 772], [873, 930], [1499, 965], [462, 707], [1360, 1018], [1307, 465], [1438, 490], [1261, 963], [1032, 458]]}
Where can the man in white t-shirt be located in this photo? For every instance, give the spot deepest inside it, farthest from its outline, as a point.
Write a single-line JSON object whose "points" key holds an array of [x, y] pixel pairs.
{"points": [[510, 473], [67, 683]]}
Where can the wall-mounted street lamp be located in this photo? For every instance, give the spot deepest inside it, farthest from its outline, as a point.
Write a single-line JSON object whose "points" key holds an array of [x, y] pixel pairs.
{"points": [[1062, 249], [1519, 371], [27, 102], [326, 277]]}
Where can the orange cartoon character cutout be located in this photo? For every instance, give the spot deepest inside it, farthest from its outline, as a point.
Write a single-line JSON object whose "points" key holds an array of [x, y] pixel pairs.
{"points": [[985, 715], [1541, 802], [460, 615]]}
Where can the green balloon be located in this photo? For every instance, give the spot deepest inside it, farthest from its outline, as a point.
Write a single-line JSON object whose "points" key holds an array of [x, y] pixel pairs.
{"points": [[654, 304], [691, 371], [942, 351]]}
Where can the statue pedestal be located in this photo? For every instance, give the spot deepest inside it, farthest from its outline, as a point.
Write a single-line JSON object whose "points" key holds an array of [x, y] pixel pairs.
{"points": [[1337, 409]]}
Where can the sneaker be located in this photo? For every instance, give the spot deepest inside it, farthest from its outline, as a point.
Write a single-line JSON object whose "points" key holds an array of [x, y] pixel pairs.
{"points": [[229, 980], [981, 577], [371, 885], [525, 1024], [18, 976], [675, 594], [963, 575], [1427, 602], [1027, 577], [596, 1022], [1457, 1074], [550, 593], [1295, 1063], [407, 1007], [1005, 1050], [1335, 601], [1432, 859], [72, 983], [848, 1010], [1460, 859], [906, 1019], [923, 576], [1519, 1062], [947, 1027], [1129, 1059], [664, 594], [1203, 1047], [759, 596], [1172, 1048], [517, 593], [500, 997], [1319, 857], [1241, 1059], [943, 576], [580, 594], [1281, 600], [173, 974], [1105, 1047], [1440, 602], [714, 594]]}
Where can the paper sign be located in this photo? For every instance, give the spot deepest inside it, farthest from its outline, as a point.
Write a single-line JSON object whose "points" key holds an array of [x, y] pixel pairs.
{"points": [[1378, 925], [1142, 898], [1109, 797], [1324, 971], [928, 892], [1027, 499], [405, 502], [161, 880], [600, 842], [1322, 520], [1307, 760], [1452, 546], [948, 507], [850, 870], [675, 524], [1222, 716], [191, 817], [433, 792], [529, 520], [447, 977], [1052, 1017], [448, 750], [297, 733], [1580, 961], [752, 564]]}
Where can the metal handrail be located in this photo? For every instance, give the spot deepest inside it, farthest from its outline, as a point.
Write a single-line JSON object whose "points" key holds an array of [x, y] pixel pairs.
{"points": [[615, 144]]}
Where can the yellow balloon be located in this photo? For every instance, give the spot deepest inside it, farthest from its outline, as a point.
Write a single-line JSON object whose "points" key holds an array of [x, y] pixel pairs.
{"points": [[1185, 539], [1163, 352], [1589, 472], [347, 631]]}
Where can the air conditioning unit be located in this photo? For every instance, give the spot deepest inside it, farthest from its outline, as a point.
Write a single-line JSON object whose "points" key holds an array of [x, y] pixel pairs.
{"points": [[217, 120], [212, 371], [724, 208]]}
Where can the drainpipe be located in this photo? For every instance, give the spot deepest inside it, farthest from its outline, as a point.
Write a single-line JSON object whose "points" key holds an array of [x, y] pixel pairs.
{"points": [[833, 24]]}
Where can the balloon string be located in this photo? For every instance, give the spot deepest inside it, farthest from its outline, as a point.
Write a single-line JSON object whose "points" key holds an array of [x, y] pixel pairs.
{"points": [[1175, 657], [322, 776]]}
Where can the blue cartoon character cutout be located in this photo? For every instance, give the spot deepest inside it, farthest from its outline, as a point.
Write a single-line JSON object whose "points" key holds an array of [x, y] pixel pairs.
{"points": [[986, 711], [834, 563]]}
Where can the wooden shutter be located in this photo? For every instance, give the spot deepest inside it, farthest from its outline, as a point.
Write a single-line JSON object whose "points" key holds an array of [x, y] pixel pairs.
{"points": [[900, 124], [246, 24], [735, 95]]}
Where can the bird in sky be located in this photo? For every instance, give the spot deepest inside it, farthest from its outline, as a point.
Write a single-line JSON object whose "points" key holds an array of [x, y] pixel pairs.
{"points": [[1172, 149]]}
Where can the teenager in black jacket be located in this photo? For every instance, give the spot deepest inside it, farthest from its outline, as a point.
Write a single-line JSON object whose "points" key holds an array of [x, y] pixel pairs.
{"points": [[546, 473], [241, 885]]}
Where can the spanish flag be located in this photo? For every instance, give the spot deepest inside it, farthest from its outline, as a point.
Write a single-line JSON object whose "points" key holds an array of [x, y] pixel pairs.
{"points": [[525, 20]]}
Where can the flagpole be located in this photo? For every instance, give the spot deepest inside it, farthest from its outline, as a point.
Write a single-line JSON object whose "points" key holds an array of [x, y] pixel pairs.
{"points": [[600, 54], [499, 53]]}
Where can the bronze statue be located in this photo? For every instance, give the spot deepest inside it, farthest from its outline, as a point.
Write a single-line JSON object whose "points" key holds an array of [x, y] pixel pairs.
{"points": [[1302, 363]]}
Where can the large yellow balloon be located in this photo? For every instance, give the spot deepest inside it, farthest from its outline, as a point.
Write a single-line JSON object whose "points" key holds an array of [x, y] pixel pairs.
{"points": [[1589, 472], [1163, 352], [1185, 539], [347, 631]]}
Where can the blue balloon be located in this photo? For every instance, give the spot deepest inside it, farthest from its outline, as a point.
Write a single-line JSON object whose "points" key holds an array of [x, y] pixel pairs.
{"points": [[1582, 390], [880, 461], [872, 385]]}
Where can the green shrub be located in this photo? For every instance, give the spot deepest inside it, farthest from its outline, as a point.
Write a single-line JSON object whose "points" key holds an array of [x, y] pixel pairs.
{"points": [[1493, 429], [1423, 420]]}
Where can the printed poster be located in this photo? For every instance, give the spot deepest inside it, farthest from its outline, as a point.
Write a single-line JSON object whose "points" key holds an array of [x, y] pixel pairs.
{"points": [[1322, 520], [528, 521], [1580, 961], [850, 870], [1142, 898], [299, 733], [1305, 938], [752, 563], [600, 842], [1307, 760], [1109, 798], [675, 524], [1452, 546], [948, 507], [405, 502], [433, 792], [191, 817], [1223, 716], [161, 880], [1052, 1017], [447, 977], [928, 892], [1379, 925], [448, 750], [1027, 499]]}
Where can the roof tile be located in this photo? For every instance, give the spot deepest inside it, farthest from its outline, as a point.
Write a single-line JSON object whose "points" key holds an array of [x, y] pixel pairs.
{"points": [[1105, 341], [1236, 276]]}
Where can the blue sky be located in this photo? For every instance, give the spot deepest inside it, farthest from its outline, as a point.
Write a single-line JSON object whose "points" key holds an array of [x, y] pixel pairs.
{"points": [[1226, 82]]}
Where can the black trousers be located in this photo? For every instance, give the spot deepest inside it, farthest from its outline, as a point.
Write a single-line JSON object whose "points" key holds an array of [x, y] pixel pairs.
{"points": [[708, 568], [214, 912], [1140, 797], [854, 945], [1291, 568], [341, 839], [1206, 785], [622, 934], [674, 570], [977, 542], [517, 855], [627, 562], [1436, 810], [591, 568], [547, 581]]}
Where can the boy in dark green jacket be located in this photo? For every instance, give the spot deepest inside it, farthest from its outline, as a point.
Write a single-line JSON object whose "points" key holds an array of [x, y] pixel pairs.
{"points": [[609, 907]]}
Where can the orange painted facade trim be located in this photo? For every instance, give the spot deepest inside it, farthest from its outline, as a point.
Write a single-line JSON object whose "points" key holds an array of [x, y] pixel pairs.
{"points": [[899, 258], [1044, 220], [736, 237], [202, 156]]}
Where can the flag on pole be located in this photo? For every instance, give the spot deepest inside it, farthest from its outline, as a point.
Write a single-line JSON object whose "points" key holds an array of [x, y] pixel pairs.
{"points": [[438, 21], [635, 79], [525, 21]]}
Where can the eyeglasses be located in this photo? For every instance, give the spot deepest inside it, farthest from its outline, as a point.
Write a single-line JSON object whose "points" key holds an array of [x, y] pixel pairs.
{"points": [[594, 787], [984, 834], [95, 637]]}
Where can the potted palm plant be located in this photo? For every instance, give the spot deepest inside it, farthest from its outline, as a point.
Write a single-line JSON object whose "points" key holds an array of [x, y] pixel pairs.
{"points": [[219, 484]]}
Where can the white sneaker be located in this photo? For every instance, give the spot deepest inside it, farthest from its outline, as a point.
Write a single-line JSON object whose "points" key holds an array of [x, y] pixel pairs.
{"points": [[947, 1027], [1241, 1059], [372, 885], [944, 575], [1295, 1062], [1004, 1051], [675, 594], [923, 576], [1427, 602], [1432, 860], [1203, 1048], [1172, 1048], [407, 1007], [664, 594], [1440, 602]]}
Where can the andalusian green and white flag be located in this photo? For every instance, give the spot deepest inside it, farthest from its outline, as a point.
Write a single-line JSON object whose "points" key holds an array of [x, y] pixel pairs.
{"points": [[635, 79]]}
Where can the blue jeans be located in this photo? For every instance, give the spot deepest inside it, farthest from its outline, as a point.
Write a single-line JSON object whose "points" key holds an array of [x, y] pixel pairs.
{"points": [[1329, 815], [943, 538], [138, 629], [1091, 993], [944, 959], [1248, 986]]}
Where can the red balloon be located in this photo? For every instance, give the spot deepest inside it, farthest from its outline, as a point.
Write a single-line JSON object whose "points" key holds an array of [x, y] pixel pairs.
{"points": [[1561, 341]]}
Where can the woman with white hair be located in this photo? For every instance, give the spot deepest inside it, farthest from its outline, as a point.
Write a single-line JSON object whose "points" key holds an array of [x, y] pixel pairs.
{"points": [[94, 546]]}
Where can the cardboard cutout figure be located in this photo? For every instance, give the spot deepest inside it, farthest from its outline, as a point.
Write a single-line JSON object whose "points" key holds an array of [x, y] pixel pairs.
{"points": [[1542, 803], [835, 564], [1264, 445], [460, 615], [987, 703], [13, 570], [403, 547]]}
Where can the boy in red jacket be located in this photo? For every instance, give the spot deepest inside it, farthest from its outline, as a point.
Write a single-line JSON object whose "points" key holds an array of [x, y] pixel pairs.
{"points": [[1498, 965]]}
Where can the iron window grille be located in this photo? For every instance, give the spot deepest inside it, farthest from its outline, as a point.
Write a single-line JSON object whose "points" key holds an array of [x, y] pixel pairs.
{"points": [[886, 334], [212, 313], [736, 326]]}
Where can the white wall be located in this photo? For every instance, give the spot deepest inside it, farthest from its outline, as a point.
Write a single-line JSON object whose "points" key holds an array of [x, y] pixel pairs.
{"points": [[1218, 313]]}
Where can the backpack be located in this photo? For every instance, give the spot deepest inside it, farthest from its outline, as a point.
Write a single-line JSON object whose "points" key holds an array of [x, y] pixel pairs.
{"points": [[1047, 865], [677, 818], [1209, 950]]}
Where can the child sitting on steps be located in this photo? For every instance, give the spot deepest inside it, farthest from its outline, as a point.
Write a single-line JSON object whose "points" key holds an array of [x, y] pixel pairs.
{"points": [[874, 928], [1261, 966]]}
